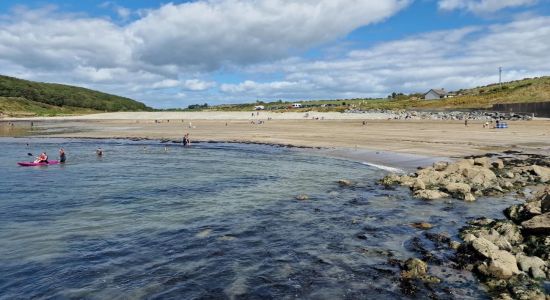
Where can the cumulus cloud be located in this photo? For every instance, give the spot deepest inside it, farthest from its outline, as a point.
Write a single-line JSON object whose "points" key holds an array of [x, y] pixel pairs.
{"points": [[207, 34], [482, 6], [198, 85], [175, 40], [452, 59]]}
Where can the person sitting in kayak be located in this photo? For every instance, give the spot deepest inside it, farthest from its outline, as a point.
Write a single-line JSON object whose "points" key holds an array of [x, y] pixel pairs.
{"points": [[42, 158], [62, 156], [99, 151]]}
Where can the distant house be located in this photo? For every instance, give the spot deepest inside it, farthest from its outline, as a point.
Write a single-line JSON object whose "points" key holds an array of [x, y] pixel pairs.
{"points": [[435, 94], [296, 105], [259, 107]]}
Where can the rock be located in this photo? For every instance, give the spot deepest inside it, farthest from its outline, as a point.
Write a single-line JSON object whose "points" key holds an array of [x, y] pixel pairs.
{"points": [[482, 161], [498, 164], [302, 197], [509, 174], [533, 265], [502, 265], [414, 268], [430, 177], [522, 212], [418, 185], [458, 188], [344, 182], [484, 247], [391, 180], [460, 165], [469, 238], [507, 185], [545, 203], [440, 166], [543, 173], [538, 224], [480, 178], [454, 245], [430, 194], [422, 225], [468, 197]]}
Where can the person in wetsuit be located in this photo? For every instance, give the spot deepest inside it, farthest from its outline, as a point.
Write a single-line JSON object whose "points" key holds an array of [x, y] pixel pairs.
{"points": [[62, 157]]}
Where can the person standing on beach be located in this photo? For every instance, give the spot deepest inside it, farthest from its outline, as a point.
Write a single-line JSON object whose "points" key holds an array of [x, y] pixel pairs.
{"points": [[186, 140], [466, 122]]}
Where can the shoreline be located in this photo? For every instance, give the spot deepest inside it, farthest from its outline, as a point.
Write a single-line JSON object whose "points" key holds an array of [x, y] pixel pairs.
{"points": [[384, 160], [394, 143]]}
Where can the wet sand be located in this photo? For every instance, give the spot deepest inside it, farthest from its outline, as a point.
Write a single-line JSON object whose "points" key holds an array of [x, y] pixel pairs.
{"points": [[336, 134]]}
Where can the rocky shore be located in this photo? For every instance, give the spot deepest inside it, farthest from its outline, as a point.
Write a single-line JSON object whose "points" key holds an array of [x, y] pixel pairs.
{"points": [[511, 256], [445, 115]]}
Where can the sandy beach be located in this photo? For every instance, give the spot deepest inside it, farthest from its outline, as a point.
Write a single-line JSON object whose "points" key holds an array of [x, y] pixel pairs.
{"points": [[332, 131]]}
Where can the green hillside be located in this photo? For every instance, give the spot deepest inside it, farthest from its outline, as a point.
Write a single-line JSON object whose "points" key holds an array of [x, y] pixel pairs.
{"points": [[51, 98]]}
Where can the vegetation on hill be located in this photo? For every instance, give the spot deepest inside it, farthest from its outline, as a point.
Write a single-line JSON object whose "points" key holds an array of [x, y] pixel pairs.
{"points": [[20, 107], [525, 90], [59, 98]]}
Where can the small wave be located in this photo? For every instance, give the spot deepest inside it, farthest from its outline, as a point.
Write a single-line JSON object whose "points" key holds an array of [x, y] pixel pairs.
{"points": [[385, 168]]}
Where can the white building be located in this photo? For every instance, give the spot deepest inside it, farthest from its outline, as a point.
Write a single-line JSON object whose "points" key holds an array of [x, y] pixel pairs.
{"points": [[259, 107], [296, 105], [435, 94]]}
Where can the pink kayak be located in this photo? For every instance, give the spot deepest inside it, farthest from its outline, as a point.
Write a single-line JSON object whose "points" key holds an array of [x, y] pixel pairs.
{"points": [[32, 164]]}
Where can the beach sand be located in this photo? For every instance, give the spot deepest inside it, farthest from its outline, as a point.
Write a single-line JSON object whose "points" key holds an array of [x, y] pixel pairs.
{"points": [[341, 134]]}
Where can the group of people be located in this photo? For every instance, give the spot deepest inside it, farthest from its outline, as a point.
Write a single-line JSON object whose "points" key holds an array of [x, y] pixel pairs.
{"points": [[43, 157]]}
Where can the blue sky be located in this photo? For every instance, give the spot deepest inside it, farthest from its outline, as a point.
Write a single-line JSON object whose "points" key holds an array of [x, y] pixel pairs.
{"points": [[172, 54]]}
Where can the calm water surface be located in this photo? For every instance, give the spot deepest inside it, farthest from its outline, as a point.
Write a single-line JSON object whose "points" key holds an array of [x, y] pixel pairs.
{"points": [[212, 221]]}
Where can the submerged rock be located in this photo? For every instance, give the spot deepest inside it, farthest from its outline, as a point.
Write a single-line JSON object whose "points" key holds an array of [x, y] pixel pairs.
{"points": [[422, 225], [302, 197], [345, 182]]}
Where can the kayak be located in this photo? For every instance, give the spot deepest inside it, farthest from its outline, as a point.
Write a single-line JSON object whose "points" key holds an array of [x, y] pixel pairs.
{"points": [[32, 164]]}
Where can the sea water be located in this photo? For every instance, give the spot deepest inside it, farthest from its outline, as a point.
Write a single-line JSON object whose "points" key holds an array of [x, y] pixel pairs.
{"points": [[212, 221]]}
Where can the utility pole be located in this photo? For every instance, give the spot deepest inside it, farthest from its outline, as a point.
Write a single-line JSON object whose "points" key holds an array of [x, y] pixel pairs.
{"points": [[500, 76]]}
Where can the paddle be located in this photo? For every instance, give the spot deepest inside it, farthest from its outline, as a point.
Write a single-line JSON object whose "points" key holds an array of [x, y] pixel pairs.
{"points": [[30, 154]]}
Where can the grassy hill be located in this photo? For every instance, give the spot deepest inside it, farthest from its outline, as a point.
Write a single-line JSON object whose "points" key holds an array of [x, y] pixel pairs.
{"points": [[525, 90], [23, 97]]}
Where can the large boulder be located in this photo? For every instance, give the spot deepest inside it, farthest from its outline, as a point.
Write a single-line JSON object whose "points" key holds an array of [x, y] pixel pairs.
{"points": [[480, 178], [538, 224], [532, 265], [458, 188], [522, 212], [430, 194], [542, 173], [430, 177], [484, 247], [502, 265]]}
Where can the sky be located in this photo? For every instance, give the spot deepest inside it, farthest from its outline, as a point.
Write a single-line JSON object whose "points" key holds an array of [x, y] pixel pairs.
{"points": [[173, 54]]}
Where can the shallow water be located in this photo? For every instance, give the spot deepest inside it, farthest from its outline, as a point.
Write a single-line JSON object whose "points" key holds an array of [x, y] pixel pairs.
{"points": [[211, 221]]}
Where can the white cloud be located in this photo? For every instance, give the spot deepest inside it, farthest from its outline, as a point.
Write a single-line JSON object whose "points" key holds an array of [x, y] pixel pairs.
{"points": [[207, 34], [175, 40], [166, 83], [482, 6], [198, 85], [452, 59]]}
